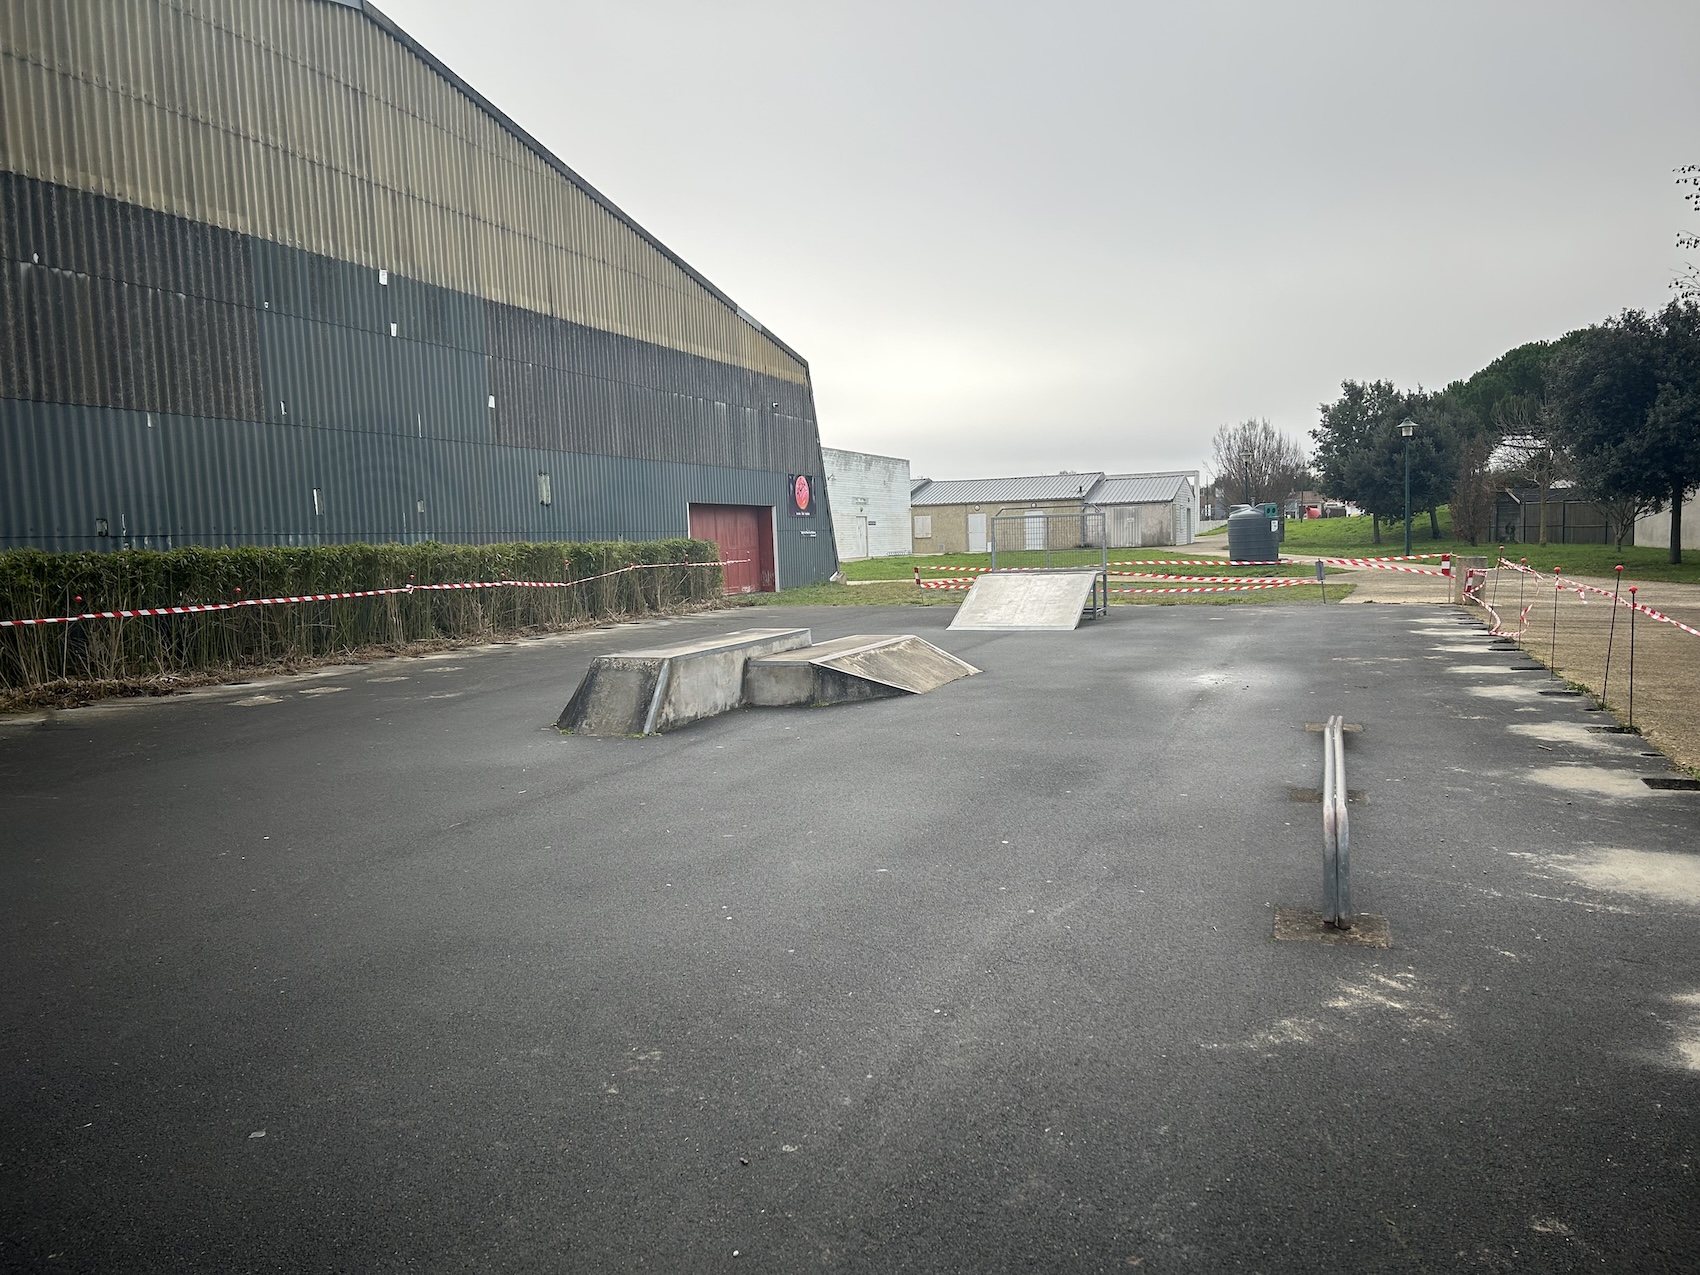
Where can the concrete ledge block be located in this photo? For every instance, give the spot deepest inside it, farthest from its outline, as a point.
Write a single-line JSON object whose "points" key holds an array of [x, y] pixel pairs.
{"points": [[866, 666], [652, 691]]}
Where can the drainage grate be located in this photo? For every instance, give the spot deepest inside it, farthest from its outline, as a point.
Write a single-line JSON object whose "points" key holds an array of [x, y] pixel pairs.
{"points": [[1618, 730], [1671, 783], [1528, 668], [1561, 692]]}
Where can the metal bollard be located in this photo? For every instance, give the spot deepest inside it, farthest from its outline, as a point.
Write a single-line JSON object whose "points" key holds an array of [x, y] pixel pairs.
{"points": [[1336, 828]]}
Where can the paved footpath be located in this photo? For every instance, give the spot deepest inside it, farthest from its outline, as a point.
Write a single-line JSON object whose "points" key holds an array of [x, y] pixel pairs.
{"points": [[373, 971]]}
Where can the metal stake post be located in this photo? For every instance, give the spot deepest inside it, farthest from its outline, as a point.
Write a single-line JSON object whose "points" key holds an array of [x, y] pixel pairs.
{"points": [[1605, 682], [1321, 580], [1632, 589], [1493, 600], [1555, 594]]}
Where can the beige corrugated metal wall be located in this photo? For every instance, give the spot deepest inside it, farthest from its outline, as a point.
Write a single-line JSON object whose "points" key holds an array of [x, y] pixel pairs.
{"points": [[307, 123]]}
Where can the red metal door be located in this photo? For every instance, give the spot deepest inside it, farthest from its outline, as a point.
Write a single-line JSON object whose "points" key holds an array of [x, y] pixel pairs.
{"points": [[745, 536]]}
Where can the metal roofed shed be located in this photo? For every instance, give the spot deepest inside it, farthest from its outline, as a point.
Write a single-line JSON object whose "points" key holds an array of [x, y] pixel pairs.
{"points": [[1149, 509], [954, 515]]}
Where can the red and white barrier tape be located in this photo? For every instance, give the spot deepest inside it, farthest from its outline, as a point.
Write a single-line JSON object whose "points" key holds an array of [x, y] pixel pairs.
{"points": [[203, 607], [1226, 584], [1579, 588], [1144, 562], [1390, 564], [1381, 564], [1148, 575], [1239, 586], [1475, 579]]}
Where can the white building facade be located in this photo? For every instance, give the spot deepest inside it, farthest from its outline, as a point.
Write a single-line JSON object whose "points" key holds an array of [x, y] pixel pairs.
{"points": [[869, 499], [1653, 530]]}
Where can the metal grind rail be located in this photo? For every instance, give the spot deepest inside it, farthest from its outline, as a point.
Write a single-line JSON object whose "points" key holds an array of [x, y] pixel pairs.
{"points": [[200, 608], [1336, 828]]}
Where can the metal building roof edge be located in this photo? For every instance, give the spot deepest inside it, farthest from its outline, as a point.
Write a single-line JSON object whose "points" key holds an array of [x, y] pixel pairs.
{"points": [[394, 29]]}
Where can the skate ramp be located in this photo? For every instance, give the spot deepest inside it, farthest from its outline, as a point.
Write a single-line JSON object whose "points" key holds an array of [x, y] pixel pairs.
{"points": [[651, 691], [866, 666], [1030, 601]]}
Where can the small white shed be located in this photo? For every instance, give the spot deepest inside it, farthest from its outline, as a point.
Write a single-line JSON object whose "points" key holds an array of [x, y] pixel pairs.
{"points": [[870, 504]]}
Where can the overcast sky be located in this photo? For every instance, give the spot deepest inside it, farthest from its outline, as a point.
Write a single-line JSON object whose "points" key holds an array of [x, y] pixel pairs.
{"points": [[1025, 238]]}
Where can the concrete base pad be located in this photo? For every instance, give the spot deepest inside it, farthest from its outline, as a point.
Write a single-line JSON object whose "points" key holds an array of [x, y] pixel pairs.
{"points": [[865, 666], [648, 692], [1305, 925], [1025, 601]]}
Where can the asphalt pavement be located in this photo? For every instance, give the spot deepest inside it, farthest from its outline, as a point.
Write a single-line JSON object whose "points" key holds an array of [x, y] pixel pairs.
{"points": [[373, 970]]}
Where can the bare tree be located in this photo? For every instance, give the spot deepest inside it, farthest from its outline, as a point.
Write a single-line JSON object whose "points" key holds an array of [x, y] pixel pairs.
{"points": [[1687, 281], [1473, 493], [1529, 445], [1256, 461]]}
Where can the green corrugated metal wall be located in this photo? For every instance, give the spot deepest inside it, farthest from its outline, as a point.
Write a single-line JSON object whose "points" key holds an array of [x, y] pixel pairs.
{"points": [[252, 250]]}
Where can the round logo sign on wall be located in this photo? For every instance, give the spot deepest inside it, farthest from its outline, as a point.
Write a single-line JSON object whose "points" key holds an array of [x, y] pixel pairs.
{"points": [[802, 491]]}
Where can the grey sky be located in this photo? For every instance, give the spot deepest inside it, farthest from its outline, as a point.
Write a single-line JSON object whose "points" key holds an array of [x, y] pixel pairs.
{"points": [[1019, 239]]}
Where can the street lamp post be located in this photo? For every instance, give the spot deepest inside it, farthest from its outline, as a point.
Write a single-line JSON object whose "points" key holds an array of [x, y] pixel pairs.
{"points": [[1406, 429]]}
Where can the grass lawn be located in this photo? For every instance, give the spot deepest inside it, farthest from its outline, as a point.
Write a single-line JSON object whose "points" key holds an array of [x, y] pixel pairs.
{"points": [[1351, 538]]}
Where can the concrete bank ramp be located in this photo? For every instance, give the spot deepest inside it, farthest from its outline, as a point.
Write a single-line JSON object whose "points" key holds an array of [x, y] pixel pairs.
{"points": [[1025, 601], [867, 666], [661, 689]]}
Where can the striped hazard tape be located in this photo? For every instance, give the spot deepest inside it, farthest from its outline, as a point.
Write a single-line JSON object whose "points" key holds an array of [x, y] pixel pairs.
{"points": [[1144, 562], [1238, 586], [201, 608], [1581, 590]]}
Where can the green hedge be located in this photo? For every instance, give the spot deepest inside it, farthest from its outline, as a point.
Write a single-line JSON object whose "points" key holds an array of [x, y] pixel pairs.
{"points": [[37, 584]]}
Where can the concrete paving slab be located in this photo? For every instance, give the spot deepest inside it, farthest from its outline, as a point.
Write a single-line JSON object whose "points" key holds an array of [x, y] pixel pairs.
{"points": [[1025, 601]]}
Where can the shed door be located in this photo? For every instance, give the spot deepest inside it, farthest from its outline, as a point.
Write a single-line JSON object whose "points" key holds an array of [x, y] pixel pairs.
{"points": [[744, 534], [976, 533], [1035, 529]]}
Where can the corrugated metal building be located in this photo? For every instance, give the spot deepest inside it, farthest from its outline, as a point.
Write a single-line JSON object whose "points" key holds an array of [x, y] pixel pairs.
{"points": [[1148, 509], [274, 275], [870, 504], [954, 515]]}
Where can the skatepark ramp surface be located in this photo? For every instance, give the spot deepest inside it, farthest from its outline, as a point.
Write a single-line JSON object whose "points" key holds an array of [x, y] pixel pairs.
{"points": [[866, 666], [648, 692], [1030, 601]]}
